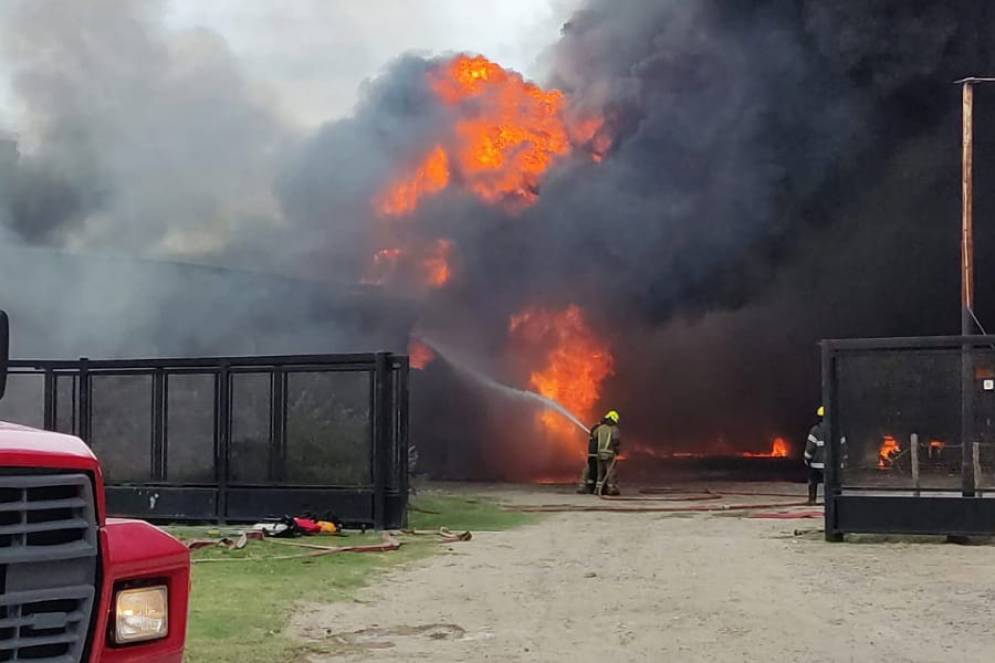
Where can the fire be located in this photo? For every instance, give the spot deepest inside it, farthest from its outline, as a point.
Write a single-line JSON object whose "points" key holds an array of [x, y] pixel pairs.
{"points": [[936, 448], [431, 176], [575, 365], [382, 267], [889, 449], [426, 267], [436, 266], [779, 448], [506, 134], [419, 354]]}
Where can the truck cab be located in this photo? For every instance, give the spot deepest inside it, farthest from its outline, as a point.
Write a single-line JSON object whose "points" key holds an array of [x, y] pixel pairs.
{"points": [[76, 585]]}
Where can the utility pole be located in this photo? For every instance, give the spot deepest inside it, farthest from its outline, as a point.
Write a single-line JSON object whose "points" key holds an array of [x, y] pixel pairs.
{"points": [[967, 317]]}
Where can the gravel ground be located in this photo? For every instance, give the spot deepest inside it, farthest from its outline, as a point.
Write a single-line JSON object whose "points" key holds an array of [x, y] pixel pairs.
{"points": [[684, 587]]}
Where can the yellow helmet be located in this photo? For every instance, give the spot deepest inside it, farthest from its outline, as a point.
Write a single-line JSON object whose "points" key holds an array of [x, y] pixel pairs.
{"points": [[821, 411], [612, 416]]}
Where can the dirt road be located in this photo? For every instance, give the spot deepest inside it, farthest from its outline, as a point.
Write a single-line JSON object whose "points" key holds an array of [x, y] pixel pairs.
{"points": [[712, 587]]}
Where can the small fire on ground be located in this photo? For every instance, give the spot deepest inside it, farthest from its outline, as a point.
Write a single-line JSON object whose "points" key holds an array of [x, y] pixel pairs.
{"points": [[888, 451], [779, 448]]}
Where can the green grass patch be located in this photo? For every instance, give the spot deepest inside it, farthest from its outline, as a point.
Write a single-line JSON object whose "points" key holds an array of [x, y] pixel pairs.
{"points": [[461, 513], [238, 609]]}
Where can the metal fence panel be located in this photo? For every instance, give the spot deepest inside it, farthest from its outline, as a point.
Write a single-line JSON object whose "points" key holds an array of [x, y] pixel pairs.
{"points": [[886, 400], [233, 438], [251, 428], [328, 433], [121, 426], [911, 444], [24, 401], [190, 428]]}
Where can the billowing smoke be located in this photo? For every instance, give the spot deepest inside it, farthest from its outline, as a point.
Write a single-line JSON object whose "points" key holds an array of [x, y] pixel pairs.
{"points": [[759, 176]]}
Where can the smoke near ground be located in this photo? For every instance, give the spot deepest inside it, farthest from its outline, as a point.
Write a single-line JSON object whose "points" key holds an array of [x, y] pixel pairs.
{"points": [[780, 172]]}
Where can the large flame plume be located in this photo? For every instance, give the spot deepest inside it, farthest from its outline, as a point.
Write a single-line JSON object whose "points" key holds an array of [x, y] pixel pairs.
{"points": [[505, 135], [575, 365]]}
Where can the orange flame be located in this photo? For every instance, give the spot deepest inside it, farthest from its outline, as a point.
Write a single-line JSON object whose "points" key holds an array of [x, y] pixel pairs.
{"points": [[506, 135], [431, 176], [575, 365], [936, 448], [390, 265], [436, 266], [779, 448], [889, 449], [419, 354]]}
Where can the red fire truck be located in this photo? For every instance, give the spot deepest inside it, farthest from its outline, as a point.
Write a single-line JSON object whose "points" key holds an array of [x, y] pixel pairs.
{"points": [[74, 584]]}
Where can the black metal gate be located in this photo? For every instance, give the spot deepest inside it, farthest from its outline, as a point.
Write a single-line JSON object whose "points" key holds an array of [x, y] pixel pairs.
{"points": [[911, 446], [232, 438]]}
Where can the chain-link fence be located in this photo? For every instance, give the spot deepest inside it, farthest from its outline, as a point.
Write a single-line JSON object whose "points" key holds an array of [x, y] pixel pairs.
{"points": [[232, 438]]}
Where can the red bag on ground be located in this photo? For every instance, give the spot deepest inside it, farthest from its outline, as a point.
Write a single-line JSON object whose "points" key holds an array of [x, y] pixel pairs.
{"points": [[307, 526]]}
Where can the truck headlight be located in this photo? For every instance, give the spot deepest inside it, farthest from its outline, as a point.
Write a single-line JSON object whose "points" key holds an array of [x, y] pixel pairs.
{"points": [[141, 614]]}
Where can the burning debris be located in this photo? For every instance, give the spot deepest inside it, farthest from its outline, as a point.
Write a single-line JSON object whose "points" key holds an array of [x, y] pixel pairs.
{"points": [[888, 452]]}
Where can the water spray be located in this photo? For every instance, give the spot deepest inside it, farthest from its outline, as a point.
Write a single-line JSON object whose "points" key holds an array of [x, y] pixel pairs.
{"points": [[464, 368]]}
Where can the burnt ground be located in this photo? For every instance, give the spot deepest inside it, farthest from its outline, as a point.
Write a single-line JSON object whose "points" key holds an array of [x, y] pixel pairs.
{"points": [[680, 586]]}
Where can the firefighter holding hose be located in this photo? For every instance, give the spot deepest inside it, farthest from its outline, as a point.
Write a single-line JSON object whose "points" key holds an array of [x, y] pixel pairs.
{"points": [[602, 450], [815, 454]]}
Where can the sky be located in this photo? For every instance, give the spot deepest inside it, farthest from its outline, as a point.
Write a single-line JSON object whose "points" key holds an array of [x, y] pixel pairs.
{"points": [[313, 55]]}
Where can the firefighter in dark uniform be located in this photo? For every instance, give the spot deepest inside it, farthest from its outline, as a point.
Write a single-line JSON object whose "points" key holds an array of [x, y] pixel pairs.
{"points": [[815, 455]]}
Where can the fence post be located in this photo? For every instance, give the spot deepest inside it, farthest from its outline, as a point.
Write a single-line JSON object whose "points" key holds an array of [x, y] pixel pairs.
{"points": [[976, 458], [84, 400], [832, 448], [222, 441], [158, 425], [381, 435], [403, 441], [278, 425], [50, 402], [914, 448], [967, 418]]}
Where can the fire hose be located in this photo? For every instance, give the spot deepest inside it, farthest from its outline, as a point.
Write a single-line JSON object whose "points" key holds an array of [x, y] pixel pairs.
{"points": [[698, 508], [390, 542]]}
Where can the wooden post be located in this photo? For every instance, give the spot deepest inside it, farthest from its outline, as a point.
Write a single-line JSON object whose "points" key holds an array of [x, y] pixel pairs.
{"points": [[977, 468], [967, 284], [914, 448], [967, 208]]}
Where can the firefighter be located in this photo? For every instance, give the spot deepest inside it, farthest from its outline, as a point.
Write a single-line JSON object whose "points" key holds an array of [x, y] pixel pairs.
{"points": [[815, 455], [590, 473], [602, 445], [609, 438]]}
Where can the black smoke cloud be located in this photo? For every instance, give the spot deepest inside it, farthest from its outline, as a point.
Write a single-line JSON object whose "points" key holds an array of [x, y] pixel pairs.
{"points": [[782, 171]]}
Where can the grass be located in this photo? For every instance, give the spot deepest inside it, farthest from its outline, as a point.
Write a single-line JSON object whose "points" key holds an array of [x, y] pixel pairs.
{"points": [[238, 610]]}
